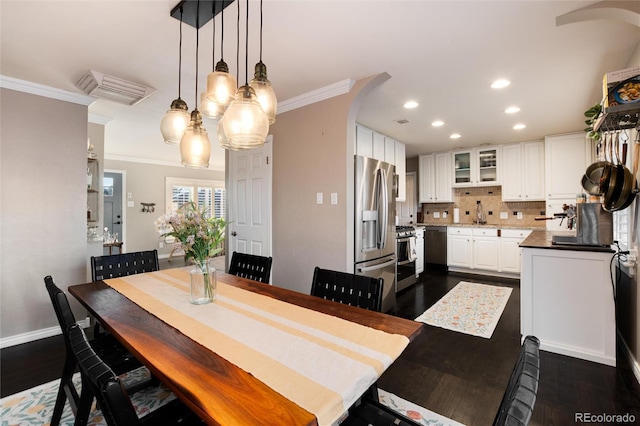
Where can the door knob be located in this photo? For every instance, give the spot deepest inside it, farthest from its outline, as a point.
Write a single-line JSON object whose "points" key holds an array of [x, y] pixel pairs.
{"points": [[234, 233]]}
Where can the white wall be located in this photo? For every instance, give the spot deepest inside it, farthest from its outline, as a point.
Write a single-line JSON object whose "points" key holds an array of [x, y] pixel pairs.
{"points": [[43, 206]]}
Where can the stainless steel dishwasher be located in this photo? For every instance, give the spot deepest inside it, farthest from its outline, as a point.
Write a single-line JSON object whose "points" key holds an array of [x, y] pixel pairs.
{"points": [[435, 246]]}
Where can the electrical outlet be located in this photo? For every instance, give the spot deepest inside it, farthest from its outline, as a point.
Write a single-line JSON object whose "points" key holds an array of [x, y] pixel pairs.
{"points": [[519, 215], [334, 198], [504, 215], [319, 198]]}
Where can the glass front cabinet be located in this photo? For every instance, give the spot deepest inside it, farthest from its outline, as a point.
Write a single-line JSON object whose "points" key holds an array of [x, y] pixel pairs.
{"points": [[476, 167]]}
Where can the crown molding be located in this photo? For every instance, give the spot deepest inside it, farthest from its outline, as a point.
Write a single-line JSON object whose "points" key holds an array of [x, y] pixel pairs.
{"points": [[99, 119], [128, 159], [45, 91], [330, 91]]}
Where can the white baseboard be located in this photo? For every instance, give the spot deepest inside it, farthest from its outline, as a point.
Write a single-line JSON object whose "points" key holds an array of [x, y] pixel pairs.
{"points": [[635, 366], [32, 336]]}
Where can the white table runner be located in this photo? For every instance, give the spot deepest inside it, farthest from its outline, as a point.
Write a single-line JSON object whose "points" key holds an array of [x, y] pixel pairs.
{"points": [[320, 362]]}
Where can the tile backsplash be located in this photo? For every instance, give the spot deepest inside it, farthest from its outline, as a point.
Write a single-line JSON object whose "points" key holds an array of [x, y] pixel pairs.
{"points": [[491, 198]]}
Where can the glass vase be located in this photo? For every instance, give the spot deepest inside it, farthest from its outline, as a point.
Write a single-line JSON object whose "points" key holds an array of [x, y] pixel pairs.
{"points": [[203, 282]]}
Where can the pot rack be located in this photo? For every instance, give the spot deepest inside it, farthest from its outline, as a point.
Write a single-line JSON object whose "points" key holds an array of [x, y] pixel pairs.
{"points": [[619, 117]]}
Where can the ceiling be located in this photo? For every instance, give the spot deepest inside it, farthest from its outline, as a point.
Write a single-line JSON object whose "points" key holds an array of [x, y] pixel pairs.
{"points": [[442, 54]]}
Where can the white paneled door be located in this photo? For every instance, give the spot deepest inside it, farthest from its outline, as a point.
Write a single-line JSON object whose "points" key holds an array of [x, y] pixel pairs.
{"points": [[249, 201]]}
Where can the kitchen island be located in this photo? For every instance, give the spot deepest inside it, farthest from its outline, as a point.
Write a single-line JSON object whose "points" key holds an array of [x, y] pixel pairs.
{"points": [[567, 298]]}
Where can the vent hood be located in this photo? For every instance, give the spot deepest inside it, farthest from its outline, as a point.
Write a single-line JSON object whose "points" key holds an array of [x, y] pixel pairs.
{"points": [[115, 89]]}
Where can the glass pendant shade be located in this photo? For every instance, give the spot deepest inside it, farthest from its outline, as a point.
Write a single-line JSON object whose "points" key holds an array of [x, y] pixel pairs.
{"points": [[224, 140], [195, 148], [221, 86], [175, 122], [264, 92], [209, 108], [244, 123]]}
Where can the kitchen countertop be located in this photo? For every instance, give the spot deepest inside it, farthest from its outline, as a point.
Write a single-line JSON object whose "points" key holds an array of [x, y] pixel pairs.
{"points": [[472, 225], [542, 239]]}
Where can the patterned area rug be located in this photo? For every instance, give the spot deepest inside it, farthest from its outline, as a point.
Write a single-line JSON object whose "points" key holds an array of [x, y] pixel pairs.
{"points": [[415, 412], [34, 407], [469, 308]]}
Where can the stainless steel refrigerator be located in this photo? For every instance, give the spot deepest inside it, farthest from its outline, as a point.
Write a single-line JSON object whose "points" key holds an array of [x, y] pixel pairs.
{"points": [[375, 206]]}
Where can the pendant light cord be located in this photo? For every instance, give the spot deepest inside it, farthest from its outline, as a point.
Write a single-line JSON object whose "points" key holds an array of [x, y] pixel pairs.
{"points": [[238, 44], [180, 57], [213, 37], [222, 35], [197, 47], [260, 30], [246, 48]]}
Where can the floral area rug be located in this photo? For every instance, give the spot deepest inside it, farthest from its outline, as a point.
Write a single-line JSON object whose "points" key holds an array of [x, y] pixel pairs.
{"points": [[34, 407], [469, 308], [413, 411]]}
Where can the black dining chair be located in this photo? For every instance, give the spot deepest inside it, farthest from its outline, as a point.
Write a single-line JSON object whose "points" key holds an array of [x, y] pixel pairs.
{"points": [[99, 380], [123, 264], [251, 266], [515, 409], [350, 289], [106, 345], [519, 398], [120, 265]]}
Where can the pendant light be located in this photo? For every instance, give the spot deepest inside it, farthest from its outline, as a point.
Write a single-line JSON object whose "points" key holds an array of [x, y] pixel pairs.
{"points": [[244, 123], [221, 85], [262, 86], [195, 148], [209, 108], [175, 121]]}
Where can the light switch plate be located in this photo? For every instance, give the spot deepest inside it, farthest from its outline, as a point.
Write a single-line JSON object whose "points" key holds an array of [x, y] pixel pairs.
{"points": [[436, 215], [130, 204], [504, 215], [334, 198], [519, 215], [319, 198], [444, 215]]}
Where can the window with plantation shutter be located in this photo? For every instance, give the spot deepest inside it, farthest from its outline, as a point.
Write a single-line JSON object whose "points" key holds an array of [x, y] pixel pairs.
{"points": [[206, 194]]}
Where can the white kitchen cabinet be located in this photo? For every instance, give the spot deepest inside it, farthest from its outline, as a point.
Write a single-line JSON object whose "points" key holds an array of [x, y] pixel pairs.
{"points": [[566, 300], [390, 151], [435, 178], [459, 247], [566, 159], [364, 141], [378, 148], [401, 169], [485, 248], [522, 168], [510, 251], [476, 167]]}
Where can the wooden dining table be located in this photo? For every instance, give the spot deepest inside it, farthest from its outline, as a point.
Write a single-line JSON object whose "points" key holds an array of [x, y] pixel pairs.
{"points": [[213, 386]]}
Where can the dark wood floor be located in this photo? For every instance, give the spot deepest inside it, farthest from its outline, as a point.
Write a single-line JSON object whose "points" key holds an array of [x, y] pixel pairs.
{"points": [[459, 376]]}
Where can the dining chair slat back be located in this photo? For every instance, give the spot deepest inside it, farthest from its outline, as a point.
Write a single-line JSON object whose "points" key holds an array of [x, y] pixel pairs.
{"points": [[111, 394], [106, 345], [251, 266], [123, 264], [519, 398], [350, 289]]}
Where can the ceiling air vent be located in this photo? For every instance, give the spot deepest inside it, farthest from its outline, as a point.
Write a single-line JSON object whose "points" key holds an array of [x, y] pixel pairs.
{"points": [[402, 121], [115, 89]]}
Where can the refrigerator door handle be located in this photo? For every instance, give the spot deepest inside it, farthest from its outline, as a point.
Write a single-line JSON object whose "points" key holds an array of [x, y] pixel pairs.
{"points": [[382, 206], [378, 266]]}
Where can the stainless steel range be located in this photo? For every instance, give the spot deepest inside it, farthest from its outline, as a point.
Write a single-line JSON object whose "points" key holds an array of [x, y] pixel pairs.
{"points": [[406, 255]]}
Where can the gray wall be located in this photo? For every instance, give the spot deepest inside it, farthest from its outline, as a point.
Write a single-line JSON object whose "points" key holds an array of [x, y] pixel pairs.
{"points": [[43, 206], [313, 149], [146, 182]]}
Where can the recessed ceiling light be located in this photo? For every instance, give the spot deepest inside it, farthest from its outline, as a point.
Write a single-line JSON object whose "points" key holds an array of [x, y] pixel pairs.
{"points": [[437, 123], [512, 110], [500, 84], [411, 104], [519, 126], [455, 136]]}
